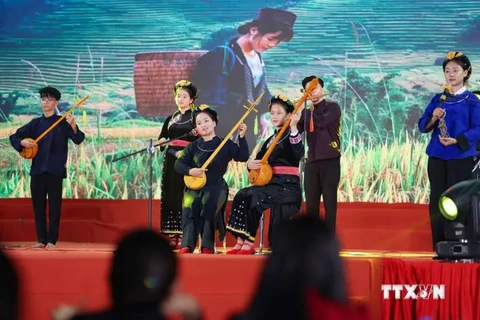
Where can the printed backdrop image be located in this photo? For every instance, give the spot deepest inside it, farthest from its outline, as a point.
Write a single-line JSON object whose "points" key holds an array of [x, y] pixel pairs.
{"points": [[381, 62]]}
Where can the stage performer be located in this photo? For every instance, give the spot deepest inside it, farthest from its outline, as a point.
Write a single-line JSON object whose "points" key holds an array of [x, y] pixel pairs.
{"points": [[230, 75], [321, 122], [200, 207], [49, 165], [455, 130], [179, 124], [283, 195]]}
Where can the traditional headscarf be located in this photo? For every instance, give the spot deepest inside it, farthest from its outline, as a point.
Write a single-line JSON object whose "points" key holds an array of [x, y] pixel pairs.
{"points": [[461, 59], [203, 108], [185, 84], [284, 101]]}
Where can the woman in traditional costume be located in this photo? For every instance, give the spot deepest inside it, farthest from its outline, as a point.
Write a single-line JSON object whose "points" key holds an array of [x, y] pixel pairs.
{"points": [[453, 118], [200, 207], [283, 194], [179, 124]]}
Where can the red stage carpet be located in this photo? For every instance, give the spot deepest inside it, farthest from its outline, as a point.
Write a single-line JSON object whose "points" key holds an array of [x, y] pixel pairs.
{"points": [[75, 272]]}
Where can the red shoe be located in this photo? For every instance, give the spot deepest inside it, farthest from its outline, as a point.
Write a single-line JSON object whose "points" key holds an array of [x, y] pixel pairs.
{"points": [[185, 250], [247, 251], [233, 251], [207, 251]]}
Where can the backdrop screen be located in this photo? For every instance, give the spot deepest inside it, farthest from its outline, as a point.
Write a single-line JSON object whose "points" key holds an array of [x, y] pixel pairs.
{"points": [[381, 62]]}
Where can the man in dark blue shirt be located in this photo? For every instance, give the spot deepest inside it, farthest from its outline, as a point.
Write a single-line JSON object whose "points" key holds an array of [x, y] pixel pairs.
{"points": [[49, 165]]}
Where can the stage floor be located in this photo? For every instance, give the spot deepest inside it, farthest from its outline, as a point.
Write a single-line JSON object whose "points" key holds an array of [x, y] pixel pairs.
{"points": [[77, 273]]}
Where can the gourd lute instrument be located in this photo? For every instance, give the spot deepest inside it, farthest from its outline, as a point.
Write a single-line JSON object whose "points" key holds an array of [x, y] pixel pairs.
{"points": [[263, 175], [197, 183], [30, 153]]}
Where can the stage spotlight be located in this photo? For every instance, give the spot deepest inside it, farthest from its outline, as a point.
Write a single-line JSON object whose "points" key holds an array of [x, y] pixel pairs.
{"points": [[460, 206], [456, 205]]}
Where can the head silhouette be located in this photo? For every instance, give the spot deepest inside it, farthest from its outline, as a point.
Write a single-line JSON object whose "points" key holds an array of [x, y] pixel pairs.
{"points": [[305, 256], [143, 271]]}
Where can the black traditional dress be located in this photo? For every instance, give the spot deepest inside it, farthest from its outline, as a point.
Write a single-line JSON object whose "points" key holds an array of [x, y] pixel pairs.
{"points": [[176, 125], [201, 207], [283, 195]]}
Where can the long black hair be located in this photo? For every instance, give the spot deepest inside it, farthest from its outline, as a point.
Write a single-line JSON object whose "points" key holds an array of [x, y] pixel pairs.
{"points": [[305, 256], [265, 27]]}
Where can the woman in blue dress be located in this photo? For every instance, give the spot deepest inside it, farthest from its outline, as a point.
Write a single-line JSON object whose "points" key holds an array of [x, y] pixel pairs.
{"points": [[453, 119]]}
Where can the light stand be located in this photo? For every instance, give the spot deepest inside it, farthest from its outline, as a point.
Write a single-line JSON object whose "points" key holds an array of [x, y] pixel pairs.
{"points": [[150, 151]]}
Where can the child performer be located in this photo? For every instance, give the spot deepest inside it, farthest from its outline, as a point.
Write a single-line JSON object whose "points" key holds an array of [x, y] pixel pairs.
{"points": [[283, 194], [201, 206], [178, 124]]}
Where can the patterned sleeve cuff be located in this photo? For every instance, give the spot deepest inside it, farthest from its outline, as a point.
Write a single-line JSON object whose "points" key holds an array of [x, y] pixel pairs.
{"points": [[295, 139]]}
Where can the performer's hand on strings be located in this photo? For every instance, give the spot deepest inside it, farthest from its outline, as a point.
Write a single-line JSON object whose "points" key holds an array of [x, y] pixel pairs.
{"points": [[301, 108], [196, 172], [447, 141], [438, 113], [254, 164], [294, 118], [242, 129], [71, 121], [27, 144]]}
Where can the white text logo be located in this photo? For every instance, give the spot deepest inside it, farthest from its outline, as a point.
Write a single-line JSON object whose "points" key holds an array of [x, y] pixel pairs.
{"points": [[414, 291]]}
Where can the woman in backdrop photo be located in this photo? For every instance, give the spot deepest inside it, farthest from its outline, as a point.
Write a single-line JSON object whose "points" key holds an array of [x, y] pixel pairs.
{"points": [[179, 124], [454, 122], [232, 74]]}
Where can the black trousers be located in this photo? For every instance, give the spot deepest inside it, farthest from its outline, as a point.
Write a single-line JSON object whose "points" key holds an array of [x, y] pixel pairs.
{"points": [[443, 174], [200, 215], [321, 178], [41, 186], [195, 226]]}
